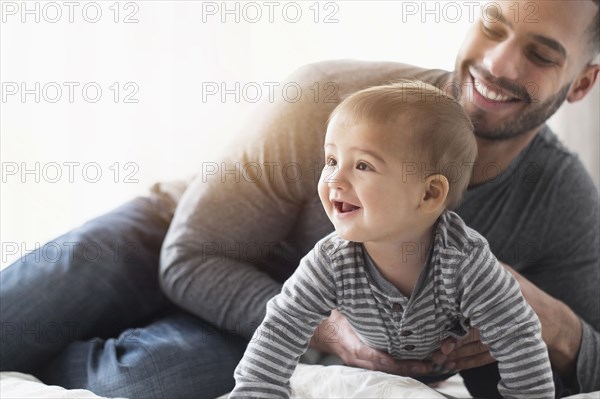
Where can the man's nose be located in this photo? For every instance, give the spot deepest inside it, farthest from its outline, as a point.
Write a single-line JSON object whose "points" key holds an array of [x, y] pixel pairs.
{"points": [[503, 60]]}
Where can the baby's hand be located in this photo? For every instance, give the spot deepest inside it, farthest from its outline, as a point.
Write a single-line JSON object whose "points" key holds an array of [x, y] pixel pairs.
{"points": [[456, 355], [336, 335]]}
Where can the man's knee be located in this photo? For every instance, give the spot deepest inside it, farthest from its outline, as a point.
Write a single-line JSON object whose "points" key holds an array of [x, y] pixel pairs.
{"points": [[143, 365]]}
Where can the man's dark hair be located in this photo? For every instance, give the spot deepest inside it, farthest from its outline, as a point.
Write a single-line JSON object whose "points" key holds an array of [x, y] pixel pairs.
{"points": [[593, 32]]}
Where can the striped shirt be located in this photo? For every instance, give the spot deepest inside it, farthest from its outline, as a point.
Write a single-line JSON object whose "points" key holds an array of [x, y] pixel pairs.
{"points": [[461, 285]]}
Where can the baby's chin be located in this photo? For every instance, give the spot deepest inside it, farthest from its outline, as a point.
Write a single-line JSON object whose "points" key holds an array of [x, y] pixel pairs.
{"points": [[349, 236]]}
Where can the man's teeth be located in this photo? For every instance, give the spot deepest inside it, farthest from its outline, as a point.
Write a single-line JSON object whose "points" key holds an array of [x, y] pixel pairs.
{"points": [[488, 93]]}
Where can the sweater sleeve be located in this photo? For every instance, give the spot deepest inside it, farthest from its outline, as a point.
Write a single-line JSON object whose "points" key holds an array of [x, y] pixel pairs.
{"points": [[244, 205], [292, 316], [492, 300]]}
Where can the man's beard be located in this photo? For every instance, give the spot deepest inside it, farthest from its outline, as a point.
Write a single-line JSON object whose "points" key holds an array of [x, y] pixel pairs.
{"points": [[534, 115], [529, 119]]}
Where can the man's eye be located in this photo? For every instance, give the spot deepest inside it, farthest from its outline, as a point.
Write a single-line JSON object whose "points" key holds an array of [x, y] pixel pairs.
{"points": [[492, 34], [330, 162], [540, 59], [363, 166]]}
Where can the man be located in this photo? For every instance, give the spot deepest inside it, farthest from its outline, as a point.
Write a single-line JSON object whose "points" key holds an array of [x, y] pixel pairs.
{"points": [[232, 241]]}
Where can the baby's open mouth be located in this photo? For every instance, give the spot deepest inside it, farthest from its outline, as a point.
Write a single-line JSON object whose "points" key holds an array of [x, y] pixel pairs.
{"points": [[344, 207]]}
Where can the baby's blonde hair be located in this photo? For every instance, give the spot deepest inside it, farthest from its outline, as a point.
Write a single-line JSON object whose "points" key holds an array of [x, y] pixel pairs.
{"points": [[443, 141]]}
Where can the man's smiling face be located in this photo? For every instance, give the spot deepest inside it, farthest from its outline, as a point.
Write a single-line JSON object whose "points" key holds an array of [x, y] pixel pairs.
{"points": [[520, 61]]}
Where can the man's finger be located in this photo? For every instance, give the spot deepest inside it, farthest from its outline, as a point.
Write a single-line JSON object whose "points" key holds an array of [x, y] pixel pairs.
{"points": [[448, 345], [467, 350], [363, 352], [381, 361], [469, 362], [370, 359], [413, 368], [439, 358], [407, 368]]}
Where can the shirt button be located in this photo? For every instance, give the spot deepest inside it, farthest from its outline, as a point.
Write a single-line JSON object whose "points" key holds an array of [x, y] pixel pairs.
{"points": [[409, 347], [397, 307], [406, 333]]}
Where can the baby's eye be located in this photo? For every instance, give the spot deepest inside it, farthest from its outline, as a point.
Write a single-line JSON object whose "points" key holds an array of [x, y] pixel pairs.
{"points": [[363, 166], [330, 161]]}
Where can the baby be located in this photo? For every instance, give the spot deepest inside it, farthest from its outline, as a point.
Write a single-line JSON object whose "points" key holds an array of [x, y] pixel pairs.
{"points": [[401, 266]]}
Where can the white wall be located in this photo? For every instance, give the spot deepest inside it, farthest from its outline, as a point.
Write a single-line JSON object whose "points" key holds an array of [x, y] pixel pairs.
{"points": [[167, 55]]}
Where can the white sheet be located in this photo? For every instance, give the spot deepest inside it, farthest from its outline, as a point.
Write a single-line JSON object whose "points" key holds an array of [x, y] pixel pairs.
{"points": [[24, 386], [347, 382], [309, 381]]}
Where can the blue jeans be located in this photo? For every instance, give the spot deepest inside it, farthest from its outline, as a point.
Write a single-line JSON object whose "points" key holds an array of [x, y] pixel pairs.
{"points": [[86, 311]]}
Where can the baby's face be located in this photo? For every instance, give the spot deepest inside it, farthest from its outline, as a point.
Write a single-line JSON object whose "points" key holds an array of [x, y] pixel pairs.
{"points": [[368, 188]]}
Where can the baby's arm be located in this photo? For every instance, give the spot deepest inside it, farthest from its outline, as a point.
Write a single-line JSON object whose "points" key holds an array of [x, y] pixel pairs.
{"points": [[491, 298], [306, 298]]}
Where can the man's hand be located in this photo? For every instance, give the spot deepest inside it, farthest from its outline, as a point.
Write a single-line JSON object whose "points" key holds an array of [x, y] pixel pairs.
{"points": [[561, 331], [467, 353], [336, 335]]}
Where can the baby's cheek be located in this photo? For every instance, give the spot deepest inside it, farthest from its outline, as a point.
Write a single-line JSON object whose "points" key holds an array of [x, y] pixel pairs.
{"points": [[323, 193]]}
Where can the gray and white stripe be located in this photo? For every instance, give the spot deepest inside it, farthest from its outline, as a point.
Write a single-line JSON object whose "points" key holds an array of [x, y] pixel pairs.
{"points": [[462, 284]]}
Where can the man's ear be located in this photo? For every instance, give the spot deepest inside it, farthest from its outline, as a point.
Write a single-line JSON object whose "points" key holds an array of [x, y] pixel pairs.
{"points": [[436, 192], [584, 83]]}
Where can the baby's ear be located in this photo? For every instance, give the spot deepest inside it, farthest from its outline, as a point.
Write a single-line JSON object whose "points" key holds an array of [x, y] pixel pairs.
{"points": [[436, 192]]}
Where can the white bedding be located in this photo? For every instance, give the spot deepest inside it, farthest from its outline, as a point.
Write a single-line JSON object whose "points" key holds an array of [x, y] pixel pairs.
{"points": [[347, 382], [18, 385], [309, 381]]}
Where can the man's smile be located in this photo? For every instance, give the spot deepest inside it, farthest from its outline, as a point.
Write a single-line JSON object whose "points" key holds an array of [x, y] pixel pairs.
{"points": [[492, 96]]}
